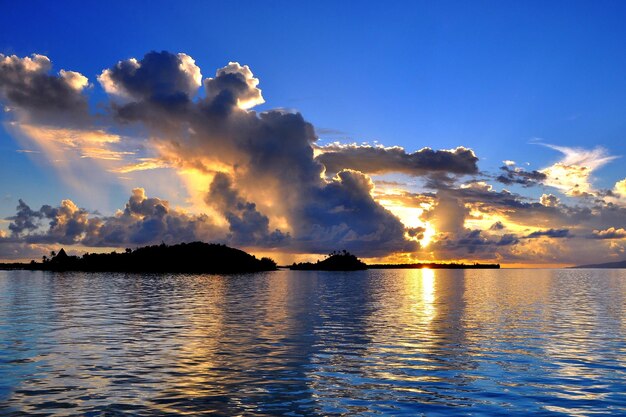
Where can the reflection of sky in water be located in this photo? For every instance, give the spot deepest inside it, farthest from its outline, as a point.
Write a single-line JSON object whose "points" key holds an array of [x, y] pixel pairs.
{"points": [[315, 343]]}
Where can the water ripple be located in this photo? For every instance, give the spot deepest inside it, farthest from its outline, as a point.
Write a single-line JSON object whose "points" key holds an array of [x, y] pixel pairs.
{"points": [[404, 342]]}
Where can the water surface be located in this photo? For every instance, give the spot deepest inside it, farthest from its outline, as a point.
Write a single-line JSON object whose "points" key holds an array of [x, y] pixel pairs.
{"points": [[386, 342]]}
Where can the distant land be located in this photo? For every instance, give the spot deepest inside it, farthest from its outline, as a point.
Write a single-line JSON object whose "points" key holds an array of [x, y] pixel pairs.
{"points": [[620, 264], [195, 257], [345, 261], [336, 261], [435, 265], [200, 257]]}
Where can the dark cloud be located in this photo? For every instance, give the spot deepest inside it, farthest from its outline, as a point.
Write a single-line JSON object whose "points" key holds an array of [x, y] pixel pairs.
{"points": [[381, 160], [549, 200], [25, 219], [520, 176], [157, 89], [475, 243], [67, 223], [246, 224], [343, 214], [143, 221], [27, 86], [416, 232], [159, 77], [271, 158], [12, 248], [552, 233], [497, 226], [511, 206], [147, 220], [233, 86]]}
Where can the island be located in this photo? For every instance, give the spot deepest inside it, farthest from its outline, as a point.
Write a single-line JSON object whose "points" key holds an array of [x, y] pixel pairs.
{"points": [[200, 257], [195, 257], [345, 261], [608, 265], [335, 261], [435, 265]]}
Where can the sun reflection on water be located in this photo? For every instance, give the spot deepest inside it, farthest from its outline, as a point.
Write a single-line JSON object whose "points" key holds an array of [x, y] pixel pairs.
{"points": [[428, 292]]}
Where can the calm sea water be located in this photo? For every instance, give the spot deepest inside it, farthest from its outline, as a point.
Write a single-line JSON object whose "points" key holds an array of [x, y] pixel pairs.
{"points": [[393, 342]]}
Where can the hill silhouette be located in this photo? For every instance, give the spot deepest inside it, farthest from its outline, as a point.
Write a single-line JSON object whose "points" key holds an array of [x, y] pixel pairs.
{"points": [[192, 257], [620, 264], [435, 265], [336, 261]]}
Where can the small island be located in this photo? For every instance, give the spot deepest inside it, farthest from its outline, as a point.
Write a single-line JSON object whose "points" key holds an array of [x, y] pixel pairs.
{"points": [[345, 261], [335, 261], [195, 257], [435, 265]]}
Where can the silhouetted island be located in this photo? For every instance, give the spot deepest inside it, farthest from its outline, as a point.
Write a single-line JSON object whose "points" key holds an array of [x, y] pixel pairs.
{"points": [[200, 257], [435, 265], [345, 261], [336, 261], [608, 265], [195, 257]]}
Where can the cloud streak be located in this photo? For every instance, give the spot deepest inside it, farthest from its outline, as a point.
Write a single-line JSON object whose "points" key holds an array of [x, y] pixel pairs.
{"points": [[381, 160]]}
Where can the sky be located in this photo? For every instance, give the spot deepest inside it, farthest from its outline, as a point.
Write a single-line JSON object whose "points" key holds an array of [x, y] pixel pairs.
{"points": [[405, 132]]}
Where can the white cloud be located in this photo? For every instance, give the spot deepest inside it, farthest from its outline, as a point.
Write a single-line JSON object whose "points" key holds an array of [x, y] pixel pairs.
{"points": [[572, 174], [74, 79]]}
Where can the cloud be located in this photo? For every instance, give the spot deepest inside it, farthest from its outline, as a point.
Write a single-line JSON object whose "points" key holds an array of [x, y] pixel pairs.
{"points": [[67, 223], [572, 174], [260, 180], [142, 164], [74, 79], [27, 86], [12, 249], [449, 214], [235, 85], [520, 176], [159, 77], [268, 159], [620, 188], [610, 233], [144, 220], [552, 233], [258, 169], [497, 226], [473, 243], [343, 214], [247, 225], [528, 225], [382, 160], [24, 220], [147, 220], [69, 138], [549, 200]]}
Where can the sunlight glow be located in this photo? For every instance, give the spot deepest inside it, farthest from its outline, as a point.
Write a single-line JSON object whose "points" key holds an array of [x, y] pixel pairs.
{"points": [[411, 218]]}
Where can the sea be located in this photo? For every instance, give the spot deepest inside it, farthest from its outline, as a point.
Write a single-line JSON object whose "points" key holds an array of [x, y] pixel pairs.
{"points": [[307, 343]]}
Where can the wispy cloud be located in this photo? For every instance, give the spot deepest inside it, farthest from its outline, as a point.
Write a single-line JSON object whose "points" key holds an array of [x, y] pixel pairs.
{"points": [[573, 173]]}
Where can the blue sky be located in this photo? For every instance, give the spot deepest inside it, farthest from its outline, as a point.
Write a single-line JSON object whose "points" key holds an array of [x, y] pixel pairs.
{"points": [[490, 76]]}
